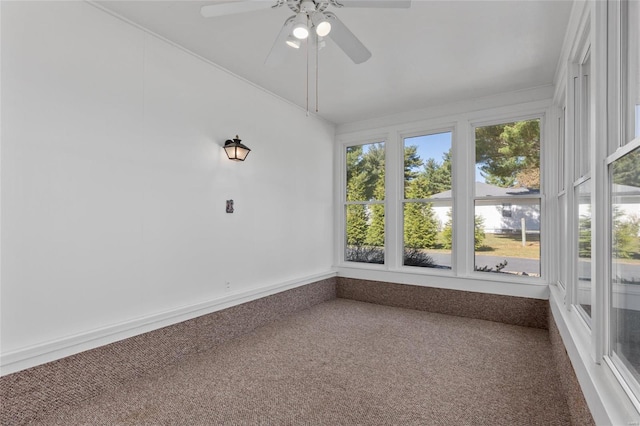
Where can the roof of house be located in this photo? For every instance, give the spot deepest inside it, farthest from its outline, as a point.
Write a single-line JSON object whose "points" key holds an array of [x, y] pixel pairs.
{"points": [[486, 190]]}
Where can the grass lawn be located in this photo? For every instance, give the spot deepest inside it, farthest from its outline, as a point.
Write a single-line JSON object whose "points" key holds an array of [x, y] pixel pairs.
{"points": [[510, 245]]}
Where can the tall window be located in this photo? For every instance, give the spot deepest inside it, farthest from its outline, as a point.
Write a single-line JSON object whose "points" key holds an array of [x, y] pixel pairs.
{"points": [[583, 198], [624, 189], [561, 258], [364, 206], [427, 205], [630, 32], [625, 267], [508, 174], [582, 185]]}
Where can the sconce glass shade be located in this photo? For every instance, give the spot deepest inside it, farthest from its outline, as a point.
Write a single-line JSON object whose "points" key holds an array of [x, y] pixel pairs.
{"points": [[235, 150]]}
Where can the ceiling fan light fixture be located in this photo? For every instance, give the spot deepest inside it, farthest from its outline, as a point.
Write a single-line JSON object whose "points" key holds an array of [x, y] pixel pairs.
{"points": [[321, 23], [293, 42], [300, 27]]}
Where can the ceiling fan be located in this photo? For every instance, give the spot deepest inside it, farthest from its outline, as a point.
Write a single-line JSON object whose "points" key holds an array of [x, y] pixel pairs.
{"points": [[309, 15]]}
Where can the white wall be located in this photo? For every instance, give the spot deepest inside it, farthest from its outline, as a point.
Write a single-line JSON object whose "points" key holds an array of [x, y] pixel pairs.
{"points": [[114, 180]]}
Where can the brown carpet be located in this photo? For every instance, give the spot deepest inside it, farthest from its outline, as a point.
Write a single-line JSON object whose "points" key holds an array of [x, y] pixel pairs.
{"points": [[345, 362]]}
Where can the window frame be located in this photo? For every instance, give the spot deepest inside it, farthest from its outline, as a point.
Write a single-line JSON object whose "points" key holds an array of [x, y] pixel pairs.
{"points": [[544, 269], [341, 241], [403, 200], [629, 384]]}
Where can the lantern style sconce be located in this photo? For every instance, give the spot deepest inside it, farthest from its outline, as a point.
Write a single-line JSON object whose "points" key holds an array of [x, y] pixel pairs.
{"points": [[235, 150]]}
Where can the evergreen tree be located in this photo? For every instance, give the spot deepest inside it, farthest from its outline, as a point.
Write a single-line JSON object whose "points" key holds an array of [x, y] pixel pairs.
{"points": [[356, 213], [478, 232], [438, 176], [375, 233], [509, 154], [626, 235], [412, 164], [420, 222], [584, 235]]}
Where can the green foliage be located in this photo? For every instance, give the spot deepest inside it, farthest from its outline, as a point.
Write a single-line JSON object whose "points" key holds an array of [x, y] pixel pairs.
{"points": [[478, 232], [447, 231], [417, 257], [498, 268], [626, 236], [509, 154], [365, 254], [422, 180], [375, 233], [626, 170], [367, 167], [356, 224], [584, 236], [420, 226], [365, 182]]}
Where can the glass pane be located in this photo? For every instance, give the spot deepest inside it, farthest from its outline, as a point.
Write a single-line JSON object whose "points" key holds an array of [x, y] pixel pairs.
{"points": [[562, 240], [508, 155], [365, 172], [365, 233], [632, 72], [561, 148], [625, 261], [507, 237], [428, 234], [584, 246], [427, 166], [585, 115]]}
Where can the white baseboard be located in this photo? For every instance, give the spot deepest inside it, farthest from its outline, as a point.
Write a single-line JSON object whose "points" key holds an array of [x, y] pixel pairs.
{"points": [[32, 356]]}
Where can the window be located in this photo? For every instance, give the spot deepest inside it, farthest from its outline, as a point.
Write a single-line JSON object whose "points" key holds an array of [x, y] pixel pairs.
{"points": [[623, 308], [630, 69], [625, 267], [398, 205], [364, 206], [583, 197], [561, 258], [427, 204], [507, 198]]}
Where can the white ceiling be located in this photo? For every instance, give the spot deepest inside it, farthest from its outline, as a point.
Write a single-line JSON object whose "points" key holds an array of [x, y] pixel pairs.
{"points": [[432, 53]]}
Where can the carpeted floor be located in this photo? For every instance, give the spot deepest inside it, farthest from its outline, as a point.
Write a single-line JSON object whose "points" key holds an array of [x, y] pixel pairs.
{"points": [[345, 362]]}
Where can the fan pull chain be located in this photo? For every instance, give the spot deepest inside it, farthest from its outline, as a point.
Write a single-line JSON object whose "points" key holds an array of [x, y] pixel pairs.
{"points": [[307, 85], [317, 68]]}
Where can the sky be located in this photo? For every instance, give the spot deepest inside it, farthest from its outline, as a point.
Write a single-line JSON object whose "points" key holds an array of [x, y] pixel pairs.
{"points": [[434, 146]]}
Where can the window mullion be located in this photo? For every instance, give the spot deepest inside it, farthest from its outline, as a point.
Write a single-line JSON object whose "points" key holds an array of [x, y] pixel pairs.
{"points": [[392, 205], [463, 182]]}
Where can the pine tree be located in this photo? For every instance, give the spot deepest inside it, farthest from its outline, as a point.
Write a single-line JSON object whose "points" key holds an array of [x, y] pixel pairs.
{"points": [[420, 222], [509, 154], [375, 233], [356, 213]]}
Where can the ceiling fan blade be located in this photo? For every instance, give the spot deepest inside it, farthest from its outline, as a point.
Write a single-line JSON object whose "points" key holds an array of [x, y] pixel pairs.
{"points": [[400, 4], [243, 6], [280, 49], [345, 39]]}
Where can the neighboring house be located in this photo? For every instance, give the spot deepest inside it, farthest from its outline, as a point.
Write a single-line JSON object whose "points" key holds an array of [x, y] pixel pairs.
{"points": [[500, 214]]}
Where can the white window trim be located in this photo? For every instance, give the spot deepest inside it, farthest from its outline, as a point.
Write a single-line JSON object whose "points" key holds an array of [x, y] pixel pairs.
{"points": [[461, 276]]}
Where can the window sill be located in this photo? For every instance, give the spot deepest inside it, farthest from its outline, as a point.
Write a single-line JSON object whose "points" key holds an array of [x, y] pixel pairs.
{"points": [[477, 282], [608, 402]]}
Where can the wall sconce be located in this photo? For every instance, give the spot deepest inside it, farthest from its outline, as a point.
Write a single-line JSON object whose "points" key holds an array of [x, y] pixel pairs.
{"points": [[235, 150]]}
